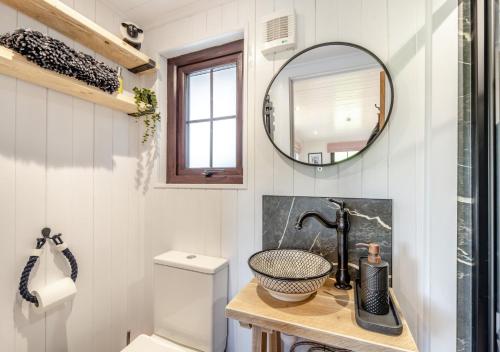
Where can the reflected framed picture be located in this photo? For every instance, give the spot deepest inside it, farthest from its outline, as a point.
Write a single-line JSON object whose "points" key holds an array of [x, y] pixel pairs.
{"points": [[315, 158]]}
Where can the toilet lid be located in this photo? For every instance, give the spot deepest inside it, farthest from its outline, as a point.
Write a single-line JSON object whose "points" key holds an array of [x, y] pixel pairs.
{"points": [[145, 343]]}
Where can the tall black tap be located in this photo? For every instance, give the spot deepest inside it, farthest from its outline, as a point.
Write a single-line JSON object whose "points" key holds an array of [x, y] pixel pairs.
{"points": [[342, 225]]}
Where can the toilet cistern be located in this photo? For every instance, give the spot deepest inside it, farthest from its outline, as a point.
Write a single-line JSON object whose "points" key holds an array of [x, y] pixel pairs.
{"points": [[189, 298], [342, 225]]}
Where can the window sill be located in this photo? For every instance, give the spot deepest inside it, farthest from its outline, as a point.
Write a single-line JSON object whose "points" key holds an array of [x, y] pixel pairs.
{"points": [[160, 185]]}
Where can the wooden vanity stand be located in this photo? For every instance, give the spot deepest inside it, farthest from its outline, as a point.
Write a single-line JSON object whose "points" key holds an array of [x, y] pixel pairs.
{"points": [[327, 317]]}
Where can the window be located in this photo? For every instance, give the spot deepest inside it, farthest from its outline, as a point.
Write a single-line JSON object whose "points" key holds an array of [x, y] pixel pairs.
{"points": [[204, 123], [338, 156]]}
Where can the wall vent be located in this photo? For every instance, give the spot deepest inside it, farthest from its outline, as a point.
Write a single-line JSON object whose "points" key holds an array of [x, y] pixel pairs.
{"points": [[279, 31]]}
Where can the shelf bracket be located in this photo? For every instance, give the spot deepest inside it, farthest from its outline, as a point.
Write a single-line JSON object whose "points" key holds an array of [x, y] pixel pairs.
{"points": [[141, 68]]}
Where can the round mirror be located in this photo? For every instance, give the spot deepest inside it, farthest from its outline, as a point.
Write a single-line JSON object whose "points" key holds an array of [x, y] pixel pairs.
{"points": [[328, 103]]}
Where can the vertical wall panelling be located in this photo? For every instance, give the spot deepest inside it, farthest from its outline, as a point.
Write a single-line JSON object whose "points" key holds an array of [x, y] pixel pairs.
{"points": [[283, 175], [103, 174], [79, 326], [135, 242], [327, 30], [402, 51], [30, 203], [263, 170], [303, 176], [350, 178], [396, 31], [70, 165], [78, 168], [133, 174], [350, 172], [422, 208], [119, 230], [229, 250], [229, 18], [201, 20], [59, 194], [246, 201], [81, 235], [211, 221], [190, 214], [443, 158], [350, 25], [327, 20], [374, 33], [9, 268], [147, 235], [31, 128], [214, 21], [151, 242], [170, 222], [326, 182], [103, 280], [374, 36]]}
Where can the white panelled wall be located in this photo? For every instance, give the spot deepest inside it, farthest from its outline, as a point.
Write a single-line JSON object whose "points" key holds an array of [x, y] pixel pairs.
{"points": [[413, 162], [72, 166], [80, 169]]}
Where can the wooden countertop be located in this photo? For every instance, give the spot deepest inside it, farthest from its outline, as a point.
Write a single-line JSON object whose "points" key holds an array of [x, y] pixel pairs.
{"points": [[327, 317]]}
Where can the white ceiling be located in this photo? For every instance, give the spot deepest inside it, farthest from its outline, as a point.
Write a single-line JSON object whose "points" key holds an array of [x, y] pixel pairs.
{"points": [[337, 107], [146, 12]]}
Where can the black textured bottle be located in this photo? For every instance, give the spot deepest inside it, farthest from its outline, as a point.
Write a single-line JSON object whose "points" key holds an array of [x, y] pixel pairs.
{"points": [[374, 281]]}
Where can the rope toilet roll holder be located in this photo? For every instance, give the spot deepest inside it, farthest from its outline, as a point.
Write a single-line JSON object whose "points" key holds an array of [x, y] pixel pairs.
{"points": [[40, 242]]}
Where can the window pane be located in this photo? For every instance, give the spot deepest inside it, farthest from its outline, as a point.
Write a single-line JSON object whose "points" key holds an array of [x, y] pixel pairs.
{"points": [[225, 143], [225, 91], [199, 144], [339, 156], [199, 96]]}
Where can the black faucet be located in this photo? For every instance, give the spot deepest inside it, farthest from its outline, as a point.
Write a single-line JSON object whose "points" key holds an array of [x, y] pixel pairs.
{"points": [[342, 225]]}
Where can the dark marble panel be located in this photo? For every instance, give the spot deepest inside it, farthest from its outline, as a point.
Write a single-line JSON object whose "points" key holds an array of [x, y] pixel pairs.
{"points": [[465, 260], [371, 221], [465, 73], [464, 278], [464, 180]]}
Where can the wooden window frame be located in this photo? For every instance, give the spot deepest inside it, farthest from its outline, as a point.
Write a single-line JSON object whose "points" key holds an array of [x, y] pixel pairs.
{"points": [[177, 70]]}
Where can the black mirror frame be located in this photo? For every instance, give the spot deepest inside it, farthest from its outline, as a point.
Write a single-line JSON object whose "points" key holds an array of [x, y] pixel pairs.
{"points": [[388, 75]]}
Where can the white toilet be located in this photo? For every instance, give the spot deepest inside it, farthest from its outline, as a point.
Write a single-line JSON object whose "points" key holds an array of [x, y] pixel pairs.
{"points": [[190, 295]]}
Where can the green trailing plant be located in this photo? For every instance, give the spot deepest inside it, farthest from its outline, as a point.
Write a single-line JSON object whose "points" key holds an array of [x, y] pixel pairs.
{"points": [[147, 106]]}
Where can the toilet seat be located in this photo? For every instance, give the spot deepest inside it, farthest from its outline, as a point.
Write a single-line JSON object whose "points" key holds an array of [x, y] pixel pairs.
{"points": [[145, 343]]}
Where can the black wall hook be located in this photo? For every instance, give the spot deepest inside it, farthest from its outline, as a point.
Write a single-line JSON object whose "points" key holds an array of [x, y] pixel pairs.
{"points": [[46, 232]]}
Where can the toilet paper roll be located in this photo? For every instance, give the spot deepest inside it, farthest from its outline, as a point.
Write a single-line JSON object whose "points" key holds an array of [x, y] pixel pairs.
{"points": [[54, 294]]}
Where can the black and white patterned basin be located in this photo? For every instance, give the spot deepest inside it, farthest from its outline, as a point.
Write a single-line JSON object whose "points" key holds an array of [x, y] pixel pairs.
{"points": [[290, 274]]}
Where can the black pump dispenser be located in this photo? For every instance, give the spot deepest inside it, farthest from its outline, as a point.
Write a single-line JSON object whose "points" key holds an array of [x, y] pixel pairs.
{"points": [[374, 280]]}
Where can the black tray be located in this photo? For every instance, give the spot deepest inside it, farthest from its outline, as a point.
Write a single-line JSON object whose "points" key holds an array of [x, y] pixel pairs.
{"points": [[389, 324]]}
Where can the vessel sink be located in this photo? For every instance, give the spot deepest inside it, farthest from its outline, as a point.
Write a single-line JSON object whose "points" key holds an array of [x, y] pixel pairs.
{"points": [[290, 274]]}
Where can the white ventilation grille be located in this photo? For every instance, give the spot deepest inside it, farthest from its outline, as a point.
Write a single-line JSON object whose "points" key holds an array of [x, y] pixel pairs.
{"points": [[277, 28], [279, 31]]}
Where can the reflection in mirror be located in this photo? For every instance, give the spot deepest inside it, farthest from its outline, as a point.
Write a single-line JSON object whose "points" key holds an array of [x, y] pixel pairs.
{"points": [[327, 104]]}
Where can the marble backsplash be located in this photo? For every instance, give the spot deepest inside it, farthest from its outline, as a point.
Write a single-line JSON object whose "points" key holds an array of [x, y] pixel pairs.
{"points": [[371, 221], [465, 235]]}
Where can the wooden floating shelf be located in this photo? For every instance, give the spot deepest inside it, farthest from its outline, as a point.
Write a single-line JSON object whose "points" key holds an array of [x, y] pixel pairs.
{"points": [[74, 25], [14, 65]]}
